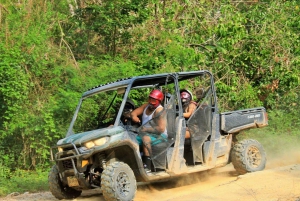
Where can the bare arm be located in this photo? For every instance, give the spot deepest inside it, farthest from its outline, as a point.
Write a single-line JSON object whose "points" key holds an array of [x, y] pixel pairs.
{"points": [[161, 120], [137, 112], [190, 110]]}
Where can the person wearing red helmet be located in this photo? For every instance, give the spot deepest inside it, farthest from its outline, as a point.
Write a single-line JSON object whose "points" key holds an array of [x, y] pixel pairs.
{"points": [[188, 107], [151, 110]]}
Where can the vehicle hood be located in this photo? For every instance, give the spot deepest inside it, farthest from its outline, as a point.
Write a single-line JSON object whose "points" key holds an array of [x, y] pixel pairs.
{"points": [[80, 138]]}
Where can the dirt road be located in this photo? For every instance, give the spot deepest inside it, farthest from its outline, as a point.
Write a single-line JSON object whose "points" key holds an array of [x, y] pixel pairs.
{"points": [[280, 181]]}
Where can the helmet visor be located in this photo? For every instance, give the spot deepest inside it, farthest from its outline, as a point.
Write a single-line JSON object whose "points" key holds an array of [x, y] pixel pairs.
{"points": [[185, 95]]}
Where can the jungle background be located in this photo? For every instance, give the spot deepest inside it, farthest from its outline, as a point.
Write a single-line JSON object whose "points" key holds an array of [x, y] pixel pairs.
{"points": [[51, 51]]}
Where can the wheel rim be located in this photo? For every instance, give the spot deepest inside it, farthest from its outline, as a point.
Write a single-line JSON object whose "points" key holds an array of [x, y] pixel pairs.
{"points": [[123, 184], [254, 156]]}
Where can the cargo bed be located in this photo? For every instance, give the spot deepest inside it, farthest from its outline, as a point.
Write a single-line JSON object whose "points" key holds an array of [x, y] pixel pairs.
{"points": [[236, 121]]}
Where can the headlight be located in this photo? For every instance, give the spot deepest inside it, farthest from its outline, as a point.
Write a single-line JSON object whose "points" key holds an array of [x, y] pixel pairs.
{"points": [[97, 142], [100, 141], [60, 149], [89, 144]]}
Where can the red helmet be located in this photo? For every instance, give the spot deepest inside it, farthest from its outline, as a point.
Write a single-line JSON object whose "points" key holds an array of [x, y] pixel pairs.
{"points": [[157, 94]]}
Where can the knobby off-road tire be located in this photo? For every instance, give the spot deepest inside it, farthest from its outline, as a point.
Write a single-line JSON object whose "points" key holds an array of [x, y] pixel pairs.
{"points": [[248, 156], [118, 182], [56, 187]]}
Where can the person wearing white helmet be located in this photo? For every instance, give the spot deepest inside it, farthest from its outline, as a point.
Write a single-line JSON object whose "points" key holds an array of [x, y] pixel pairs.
{"points": [[188, 107]]}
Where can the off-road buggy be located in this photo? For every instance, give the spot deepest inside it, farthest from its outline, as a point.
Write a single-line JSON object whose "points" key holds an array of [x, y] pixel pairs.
{"points": [[100, 149]]}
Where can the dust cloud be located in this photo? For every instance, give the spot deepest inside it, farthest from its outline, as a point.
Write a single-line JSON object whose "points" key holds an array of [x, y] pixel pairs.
{"points": [[281, 151], [282, 169]]}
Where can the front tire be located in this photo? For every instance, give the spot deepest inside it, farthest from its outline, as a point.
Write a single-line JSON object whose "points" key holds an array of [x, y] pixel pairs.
{"points": [[56, 187], [118, 182], [248, 156]]}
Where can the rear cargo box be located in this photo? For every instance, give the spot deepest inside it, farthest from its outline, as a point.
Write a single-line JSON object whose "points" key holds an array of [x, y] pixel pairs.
{"points": [[234, 122]]}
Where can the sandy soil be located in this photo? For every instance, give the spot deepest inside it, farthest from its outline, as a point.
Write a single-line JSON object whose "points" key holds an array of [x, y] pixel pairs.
{"points": [[280, 181]]}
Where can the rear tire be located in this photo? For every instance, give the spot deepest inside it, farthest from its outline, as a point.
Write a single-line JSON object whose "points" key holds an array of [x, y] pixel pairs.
{"points": [[118, 182], [57, 189], [248, 156]]}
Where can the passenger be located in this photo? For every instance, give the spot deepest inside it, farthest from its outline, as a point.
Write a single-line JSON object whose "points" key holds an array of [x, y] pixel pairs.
{"points": [[188, 107], [154, 131], [200, 93]]}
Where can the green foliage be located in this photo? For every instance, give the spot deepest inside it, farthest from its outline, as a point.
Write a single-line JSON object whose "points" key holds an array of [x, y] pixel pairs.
{"points": [[104, 27], [284, 122], [31, 73], [22, 181], [49, 55]]}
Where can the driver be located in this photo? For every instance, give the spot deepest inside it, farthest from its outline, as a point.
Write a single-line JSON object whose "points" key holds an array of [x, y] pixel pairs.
{"points": [[155, 129]]}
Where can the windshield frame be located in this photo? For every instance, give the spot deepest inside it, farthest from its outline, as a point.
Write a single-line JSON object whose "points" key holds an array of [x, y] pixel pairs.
{"points": [[139, 82]]}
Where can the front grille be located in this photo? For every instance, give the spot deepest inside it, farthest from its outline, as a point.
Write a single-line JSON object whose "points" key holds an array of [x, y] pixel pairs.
{"points": [[68, 148], [67, 164]]}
